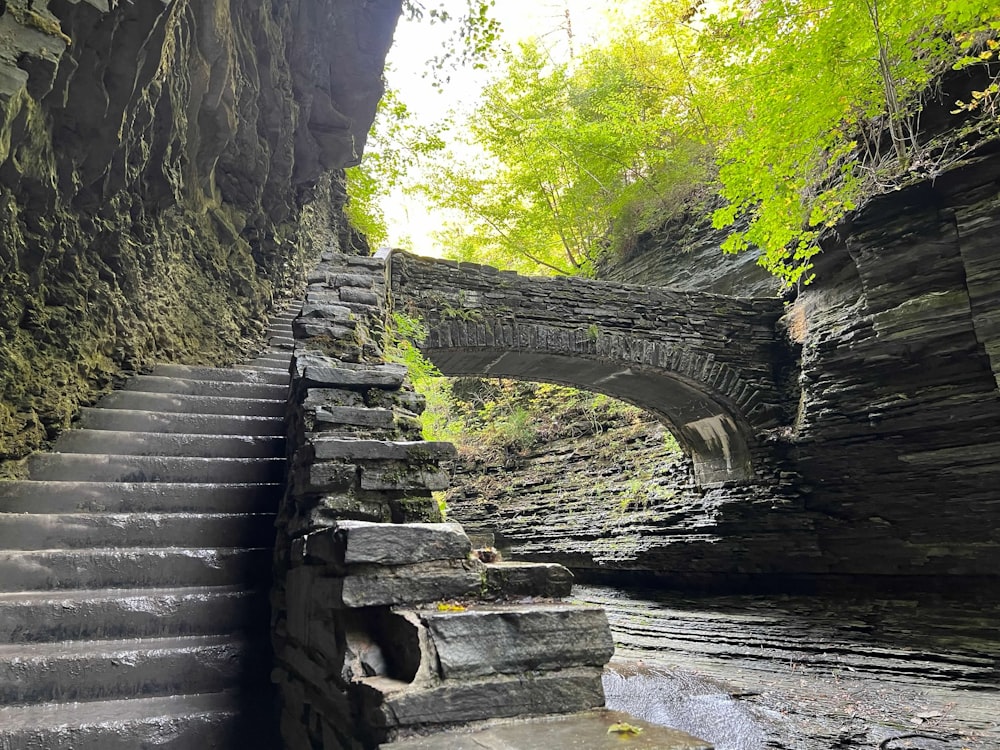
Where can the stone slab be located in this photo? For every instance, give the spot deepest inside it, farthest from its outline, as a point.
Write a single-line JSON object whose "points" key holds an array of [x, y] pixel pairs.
{"points": [[509, 579], [581, 731], [357, 416], [325, 310], [360, 542], [359, 450], [517, 638], [388, 705], [382, 586], [316, 369], [403, 476]]}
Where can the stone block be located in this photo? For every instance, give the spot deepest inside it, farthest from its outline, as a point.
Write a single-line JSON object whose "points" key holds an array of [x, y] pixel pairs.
{"points": [[308, 328], [509, 579], [403, 476], [359, 543], [362, 280], [345, 505], [518, 638], [360, 417], [364, 450], [358, 296], [415, 508], [314, 369], [316, 398], [388, 704], [325, 310], [323, 476], [373, 586], [364, 261]]}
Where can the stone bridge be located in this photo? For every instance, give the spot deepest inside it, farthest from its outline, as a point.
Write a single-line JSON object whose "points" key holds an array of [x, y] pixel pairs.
{"points": [[708, 366]]}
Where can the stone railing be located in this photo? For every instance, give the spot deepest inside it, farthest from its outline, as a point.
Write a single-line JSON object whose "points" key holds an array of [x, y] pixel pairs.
{"points": [[384, 619]]}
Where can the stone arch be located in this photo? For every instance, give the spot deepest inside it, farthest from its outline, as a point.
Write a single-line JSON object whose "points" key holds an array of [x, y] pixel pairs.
{"points": [[707, 406]]}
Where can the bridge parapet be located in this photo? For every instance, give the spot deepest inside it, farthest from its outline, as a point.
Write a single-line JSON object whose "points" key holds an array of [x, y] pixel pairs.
{"points": [[703, 363]]}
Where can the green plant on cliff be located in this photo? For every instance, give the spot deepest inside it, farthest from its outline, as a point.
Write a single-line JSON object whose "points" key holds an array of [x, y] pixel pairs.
{"points": [[438, 420], [824, 100]]}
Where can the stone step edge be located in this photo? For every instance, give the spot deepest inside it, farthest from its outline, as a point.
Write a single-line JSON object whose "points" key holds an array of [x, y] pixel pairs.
{"points": [[112, 594], [69, 650], [56, 717]]}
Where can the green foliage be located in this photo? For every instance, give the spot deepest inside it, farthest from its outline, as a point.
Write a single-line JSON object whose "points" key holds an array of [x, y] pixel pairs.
{"points": [[395, 146], [792, 112], [570, 148], [439, 421], [473, 42], [814, 90]]}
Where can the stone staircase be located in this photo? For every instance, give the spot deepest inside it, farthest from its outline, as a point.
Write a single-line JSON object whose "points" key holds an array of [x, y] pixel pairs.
{"points": [[135, 566]]}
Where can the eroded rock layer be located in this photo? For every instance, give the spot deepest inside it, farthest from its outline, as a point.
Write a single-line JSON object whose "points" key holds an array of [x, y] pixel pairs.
{"points": [[155, 160], [890, 470]]}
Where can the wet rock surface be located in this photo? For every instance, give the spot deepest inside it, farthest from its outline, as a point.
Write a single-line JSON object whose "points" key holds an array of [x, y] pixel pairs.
{"points": [[587, 731], [809, 673], [164, 170], [379, 626]]}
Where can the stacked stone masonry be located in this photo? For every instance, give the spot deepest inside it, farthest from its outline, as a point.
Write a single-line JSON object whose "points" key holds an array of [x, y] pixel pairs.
{"points": [[708, 366], [385, 623]]}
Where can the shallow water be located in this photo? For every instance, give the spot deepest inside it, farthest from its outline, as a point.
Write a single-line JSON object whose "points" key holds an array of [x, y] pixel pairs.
{"points": [[808, 672], [684, 701]]}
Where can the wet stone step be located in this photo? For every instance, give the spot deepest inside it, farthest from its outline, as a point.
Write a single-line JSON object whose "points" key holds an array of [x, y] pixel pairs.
{"points": [[38, 616], [169, 444], [225, 388], [86, 467], [26, 496], [193, 404], [275, 359], [177, 722], [282, 370], [95, 670], [228, 374], [143, 420], [391, 705], [511, 639], [32, 531], [39, 570]]}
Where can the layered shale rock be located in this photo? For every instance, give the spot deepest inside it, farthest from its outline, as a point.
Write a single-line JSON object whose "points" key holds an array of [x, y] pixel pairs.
{"points": [[164, 169], [888, 464]]}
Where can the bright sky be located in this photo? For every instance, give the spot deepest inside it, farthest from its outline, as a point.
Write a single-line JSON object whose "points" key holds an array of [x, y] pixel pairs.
{"points": [[410, 225]]}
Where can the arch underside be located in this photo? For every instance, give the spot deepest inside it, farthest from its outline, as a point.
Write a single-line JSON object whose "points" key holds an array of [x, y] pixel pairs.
{"points": [[709, 430]]}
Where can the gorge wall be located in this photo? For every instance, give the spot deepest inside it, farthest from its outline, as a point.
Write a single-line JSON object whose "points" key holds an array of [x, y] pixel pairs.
{"points": [[892, 447], [165, 168]]}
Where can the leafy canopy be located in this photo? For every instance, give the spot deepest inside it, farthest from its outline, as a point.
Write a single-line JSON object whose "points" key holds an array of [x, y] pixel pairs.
{"points": [[783, 115]]}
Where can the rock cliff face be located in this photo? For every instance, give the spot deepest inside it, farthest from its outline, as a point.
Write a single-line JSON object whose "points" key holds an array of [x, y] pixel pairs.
{"points": [[892, 455], [164, 169]]}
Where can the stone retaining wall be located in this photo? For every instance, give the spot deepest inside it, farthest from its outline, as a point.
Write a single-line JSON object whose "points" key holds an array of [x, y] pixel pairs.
{"points": [[384, 621]]}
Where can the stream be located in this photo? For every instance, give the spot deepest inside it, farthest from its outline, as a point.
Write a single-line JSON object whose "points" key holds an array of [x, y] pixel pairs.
{"points": [[807, 672]]}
